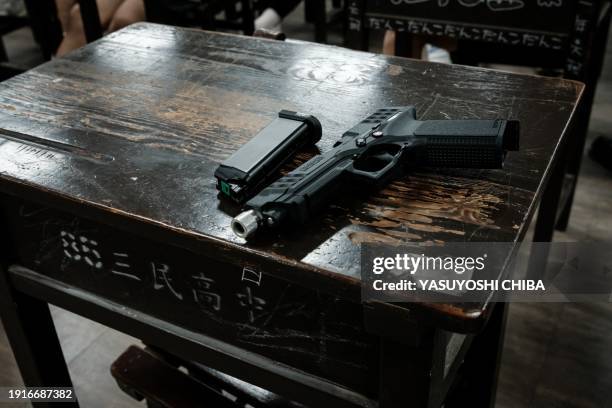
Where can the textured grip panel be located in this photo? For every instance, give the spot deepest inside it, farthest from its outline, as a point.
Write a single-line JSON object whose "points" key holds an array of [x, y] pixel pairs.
{"points": [[463, 143], [463, 155]]}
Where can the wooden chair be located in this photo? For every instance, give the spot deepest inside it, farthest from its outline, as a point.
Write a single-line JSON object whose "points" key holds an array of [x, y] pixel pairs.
{"points": [[166, 381], [46, 29], [315, 11], [8, 24]]}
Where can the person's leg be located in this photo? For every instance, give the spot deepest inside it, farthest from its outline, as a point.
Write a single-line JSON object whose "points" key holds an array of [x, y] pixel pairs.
{"points": [[389, 43], [417, 47], [74, 35], [269, 19], [63, 11], [130, 11], [274, 13]]}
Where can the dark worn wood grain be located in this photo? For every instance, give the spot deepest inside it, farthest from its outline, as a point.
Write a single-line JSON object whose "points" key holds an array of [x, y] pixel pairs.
{"points": [[128, 131]]}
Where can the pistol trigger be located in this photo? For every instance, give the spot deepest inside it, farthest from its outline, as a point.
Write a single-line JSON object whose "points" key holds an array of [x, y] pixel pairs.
{"points": [[387, 157]]}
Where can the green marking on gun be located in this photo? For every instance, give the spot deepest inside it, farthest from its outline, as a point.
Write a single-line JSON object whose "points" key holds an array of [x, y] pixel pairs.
{"points": [[381, 147], [225, 188]]}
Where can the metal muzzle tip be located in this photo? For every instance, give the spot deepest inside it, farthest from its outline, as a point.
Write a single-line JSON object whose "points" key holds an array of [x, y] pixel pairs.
{"points": [[245, 224]]}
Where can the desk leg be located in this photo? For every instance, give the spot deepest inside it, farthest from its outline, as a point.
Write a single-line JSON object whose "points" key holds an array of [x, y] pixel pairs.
{"points": [[91, 20], [357, 34], [406, 373], [320, 21], [310, 11], [31, 333], [547, 212], [415, 376], [545, 223], [408, 45], [480, 370], [45, 25], [403, 44], [575, 153], [248, 17]]}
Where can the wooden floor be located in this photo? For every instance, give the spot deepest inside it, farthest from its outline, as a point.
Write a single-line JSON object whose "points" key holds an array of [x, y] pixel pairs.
{"points": [[555, 355]]}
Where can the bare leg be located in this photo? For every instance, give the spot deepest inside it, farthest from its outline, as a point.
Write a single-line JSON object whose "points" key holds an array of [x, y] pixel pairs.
{"points": [[389, 43], [74, 36], [416, 45], [63, 11], [130, 11]]}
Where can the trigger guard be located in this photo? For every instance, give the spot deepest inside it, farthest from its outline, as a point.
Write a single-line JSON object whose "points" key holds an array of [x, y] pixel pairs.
{"points": [[374, 176]]}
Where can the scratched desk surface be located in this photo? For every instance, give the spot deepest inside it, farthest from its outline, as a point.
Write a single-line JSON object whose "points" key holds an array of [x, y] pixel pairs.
{"points": [[129, 130]]}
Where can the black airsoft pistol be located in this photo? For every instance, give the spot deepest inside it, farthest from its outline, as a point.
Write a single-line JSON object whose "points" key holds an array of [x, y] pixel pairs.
{"points": [[380, 147]]}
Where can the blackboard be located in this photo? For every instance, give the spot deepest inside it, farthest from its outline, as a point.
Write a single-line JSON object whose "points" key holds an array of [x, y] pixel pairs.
{"points": [[543, 16]]}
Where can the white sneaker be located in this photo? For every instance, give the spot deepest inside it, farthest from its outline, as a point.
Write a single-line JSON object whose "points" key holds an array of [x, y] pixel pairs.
{"points": [[269, 20], [436, 54]]}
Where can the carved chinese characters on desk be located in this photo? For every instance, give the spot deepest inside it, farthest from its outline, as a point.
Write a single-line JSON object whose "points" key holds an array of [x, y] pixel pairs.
{"points": [[83, 251]]}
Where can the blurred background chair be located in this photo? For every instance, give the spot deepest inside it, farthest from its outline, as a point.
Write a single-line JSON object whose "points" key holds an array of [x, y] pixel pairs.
{"points": [[227, 15], [316, 12], [41, 16], [237, 14], [8, 24]]}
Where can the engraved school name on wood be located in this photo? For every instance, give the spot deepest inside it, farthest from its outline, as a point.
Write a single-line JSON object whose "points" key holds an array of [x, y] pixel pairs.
{"points": [[79, 248]]}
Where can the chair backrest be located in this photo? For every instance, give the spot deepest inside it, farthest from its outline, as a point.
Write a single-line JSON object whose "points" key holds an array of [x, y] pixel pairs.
{"points": [[532, 23]]}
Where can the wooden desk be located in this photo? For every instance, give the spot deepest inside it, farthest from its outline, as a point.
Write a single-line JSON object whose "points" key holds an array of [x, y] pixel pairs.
{"points": [[110, 211]]}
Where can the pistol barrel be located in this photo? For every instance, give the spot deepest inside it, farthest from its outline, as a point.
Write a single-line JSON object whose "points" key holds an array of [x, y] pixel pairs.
{"points": [[246, 223]]}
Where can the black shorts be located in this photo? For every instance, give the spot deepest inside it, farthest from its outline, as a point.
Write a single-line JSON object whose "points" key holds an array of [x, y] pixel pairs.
{"points": [[187, 13], [184, 13]]}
